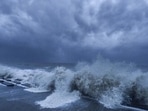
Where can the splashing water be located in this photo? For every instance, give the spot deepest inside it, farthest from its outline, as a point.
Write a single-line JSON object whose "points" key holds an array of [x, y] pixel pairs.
{"points": [[111, 84]]}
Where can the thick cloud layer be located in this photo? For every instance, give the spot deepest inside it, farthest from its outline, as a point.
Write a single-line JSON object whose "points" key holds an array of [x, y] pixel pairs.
{"points": [[73, 30]]}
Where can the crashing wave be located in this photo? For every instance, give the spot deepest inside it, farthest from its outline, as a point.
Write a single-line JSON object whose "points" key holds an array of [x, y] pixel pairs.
{"points": [[111, 84]]}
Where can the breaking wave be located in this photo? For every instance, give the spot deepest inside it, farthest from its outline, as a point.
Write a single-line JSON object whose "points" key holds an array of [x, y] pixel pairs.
{"points": [[111, 84]]}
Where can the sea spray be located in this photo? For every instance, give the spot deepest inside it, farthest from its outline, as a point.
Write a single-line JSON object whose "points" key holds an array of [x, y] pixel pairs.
{"points": [[62, 94], [109, 83]]}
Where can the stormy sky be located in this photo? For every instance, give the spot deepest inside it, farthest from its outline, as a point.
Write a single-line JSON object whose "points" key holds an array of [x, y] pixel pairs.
{"points": [[73, 30]]}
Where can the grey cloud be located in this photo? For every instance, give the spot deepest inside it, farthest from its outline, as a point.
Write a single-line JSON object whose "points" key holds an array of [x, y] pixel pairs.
{"points": [[116, 24], [73, 30]]}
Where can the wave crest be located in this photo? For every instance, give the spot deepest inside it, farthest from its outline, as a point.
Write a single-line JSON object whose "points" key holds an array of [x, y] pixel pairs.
{"points": [[109, 83]]}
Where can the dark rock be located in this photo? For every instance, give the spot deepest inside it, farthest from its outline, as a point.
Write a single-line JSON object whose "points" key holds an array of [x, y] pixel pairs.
{"points": [[8, 84]]}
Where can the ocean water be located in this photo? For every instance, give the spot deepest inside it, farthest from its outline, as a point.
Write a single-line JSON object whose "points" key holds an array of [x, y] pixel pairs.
{"points": [[112, 84]]}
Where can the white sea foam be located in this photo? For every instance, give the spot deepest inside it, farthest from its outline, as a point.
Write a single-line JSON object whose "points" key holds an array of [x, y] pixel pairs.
{"points": [[59, 99], [111, 98], [36, 90], [109, 83], [62, 95]]}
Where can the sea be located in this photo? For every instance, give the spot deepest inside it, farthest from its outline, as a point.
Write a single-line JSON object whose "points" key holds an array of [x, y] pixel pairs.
{"points": [[101, 85]]}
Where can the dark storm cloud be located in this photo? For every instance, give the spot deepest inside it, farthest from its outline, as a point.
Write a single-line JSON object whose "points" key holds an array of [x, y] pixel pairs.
{"points": [[73, 30]]}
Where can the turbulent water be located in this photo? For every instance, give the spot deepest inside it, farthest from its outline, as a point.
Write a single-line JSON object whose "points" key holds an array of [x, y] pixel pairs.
{"points": [[111, 84]]}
